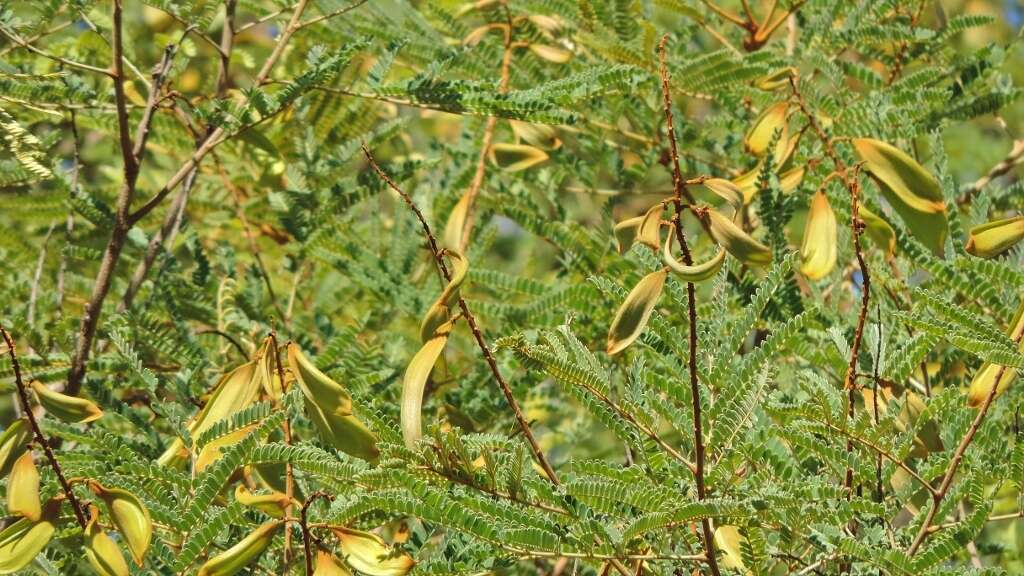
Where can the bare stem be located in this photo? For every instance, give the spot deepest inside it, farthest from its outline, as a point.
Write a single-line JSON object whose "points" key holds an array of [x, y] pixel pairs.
{"points": [[306, 536], [691, 304], [26, 407], [538, 454]]}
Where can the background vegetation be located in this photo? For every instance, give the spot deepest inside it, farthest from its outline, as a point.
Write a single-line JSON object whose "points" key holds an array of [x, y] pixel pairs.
{"points": [[181, 179]]}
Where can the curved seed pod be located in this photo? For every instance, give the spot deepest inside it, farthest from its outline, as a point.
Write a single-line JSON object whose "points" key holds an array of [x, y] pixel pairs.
{"points": [[747, 182], [695, 272], [635, 311], [878, 229], [213, 450], [232, 560], [912, 191], [736, 241], [233, 392], [23, 540], [551, 53], [726, 190], [759, 137], [265, 370], [985, 379], [415, 380], [370, 555], [23, 488], [993, 238], [273, 504], [67, 408], [328, 565], [821, 238], [441, 309], [456, 223], [649, 232], [516, 157], [625, 233], [100, 549], [13, 440], [329, 406], [775, 80], [130, 516], [791, 179]]}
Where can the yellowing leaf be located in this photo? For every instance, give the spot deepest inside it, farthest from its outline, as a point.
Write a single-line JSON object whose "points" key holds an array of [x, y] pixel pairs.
{"points": [[912, 191], [985, 379], [993, 238], [551, 53], [23, 488], [232, 560], [24, 539], [329, 406], [13, 440], [635, 311], [67, 408], [820, 243], [100, 549], [416, 375], [370, 555], [735, 240], [516, 157], [759, 137], [130, 517], [694, 272], [441, 310]]}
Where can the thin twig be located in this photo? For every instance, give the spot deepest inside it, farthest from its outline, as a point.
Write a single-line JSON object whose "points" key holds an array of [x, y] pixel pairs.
{"points": [[37, 276], [40, 439], [538, 454], [63, 61], [306, 536], [289, 472], [332, 14], [691, 304], [1012, 159]]}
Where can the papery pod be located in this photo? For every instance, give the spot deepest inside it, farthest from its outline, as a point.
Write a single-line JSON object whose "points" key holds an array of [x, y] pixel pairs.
{"points": [[993, 238], [442, 308], [775, 80], [214, 449], [878, 229], [516, 157], [625, 233], [130, 516], [909, 188], [329, 406], [270, 380], [649, 232], [24, 539], [820, 244], [729, 540], [370, 555], [234, 559], [985, 379], [759, 137], [635, 311], [100, 549], [546, 24], [13, 440], [736, 241], [328, 565], [540, 135], [68, 408], [273, 504], [551, 53], [23, 488], [791, 179], [456, 224], [234, 392], [692, 272], [415, 380], [727, 191]]}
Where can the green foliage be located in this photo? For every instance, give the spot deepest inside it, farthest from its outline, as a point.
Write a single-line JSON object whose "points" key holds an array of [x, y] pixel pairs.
{"points": [[821, 418]]}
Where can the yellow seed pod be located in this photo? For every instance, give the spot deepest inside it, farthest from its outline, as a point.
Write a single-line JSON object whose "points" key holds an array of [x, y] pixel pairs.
{"points": [[441, 310], [985, 379], [820, 243], [12, 442], [415, 380], [328, 565], [551, 53], [232, 560], [100, 549], [759, 137], [67, 408], [456, 224], [625, 233], [694, 272], [737, 242], [370, 555], [24, 539], [649, 231], [516, 157], [130, 517], [878, 229], [273, 504], [23, 488], [632, 316], [993, 238]]}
